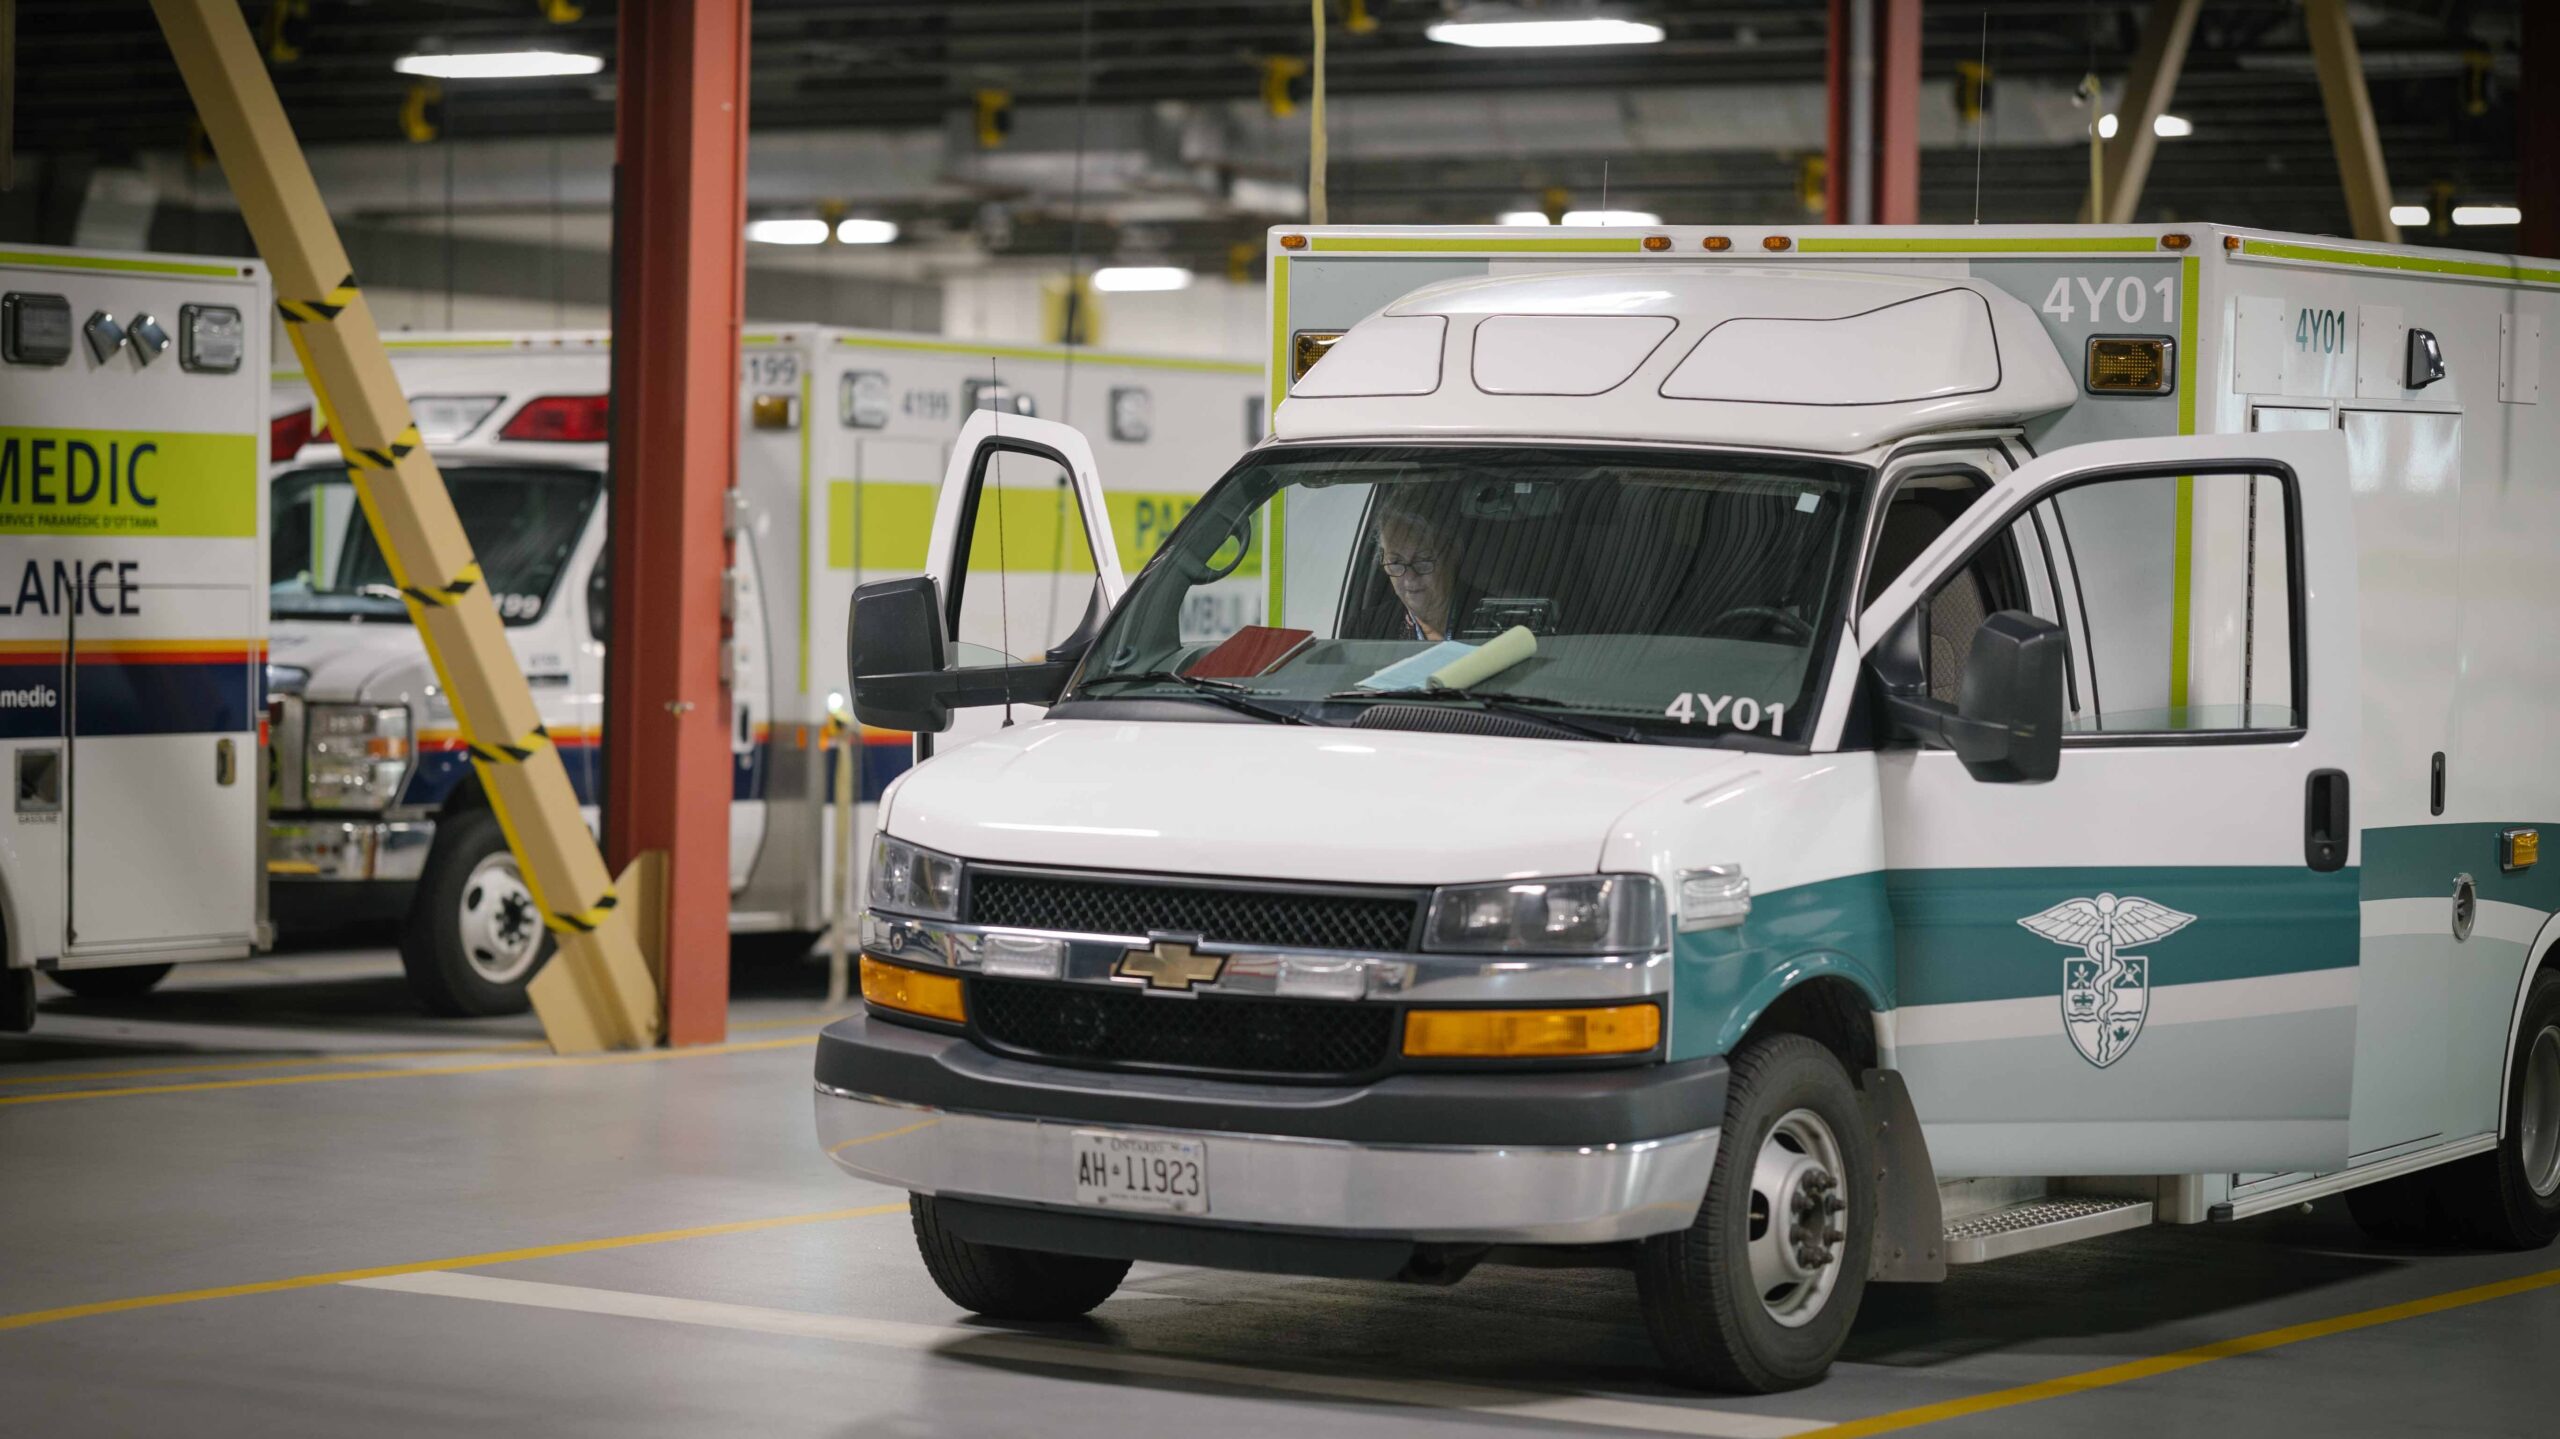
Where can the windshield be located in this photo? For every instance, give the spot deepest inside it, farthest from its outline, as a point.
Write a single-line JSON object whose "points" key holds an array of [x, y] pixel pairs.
{"points": [[1664, 593], [523, 522]]}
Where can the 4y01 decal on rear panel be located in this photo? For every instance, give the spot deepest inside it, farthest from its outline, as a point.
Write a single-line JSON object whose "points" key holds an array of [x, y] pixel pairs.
{"points": [[2106, 995]]}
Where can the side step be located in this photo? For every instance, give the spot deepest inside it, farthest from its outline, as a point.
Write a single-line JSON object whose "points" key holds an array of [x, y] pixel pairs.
{"points": [[2039, 1224]]}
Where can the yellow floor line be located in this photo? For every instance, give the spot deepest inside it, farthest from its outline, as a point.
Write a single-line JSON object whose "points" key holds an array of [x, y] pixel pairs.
{"points": [[230, 1065], [466, 1261], [813, 1020], [2126, 1373], [645, 1056]]}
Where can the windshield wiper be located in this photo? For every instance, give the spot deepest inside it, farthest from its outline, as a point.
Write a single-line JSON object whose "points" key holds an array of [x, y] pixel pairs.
{"points": [[1528, 707], [1222, 692]]}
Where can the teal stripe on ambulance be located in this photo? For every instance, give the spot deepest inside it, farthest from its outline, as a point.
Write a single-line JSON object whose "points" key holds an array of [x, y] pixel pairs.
{"points": [[2419, 861]]}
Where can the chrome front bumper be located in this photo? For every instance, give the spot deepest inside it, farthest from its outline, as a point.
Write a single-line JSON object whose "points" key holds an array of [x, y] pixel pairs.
{"points": [[1520, 1194], [350, 849]]}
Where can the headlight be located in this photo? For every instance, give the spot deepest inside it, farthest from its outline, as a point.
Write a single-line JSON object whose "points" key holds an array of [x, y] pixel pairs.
{"points": [[1601, 914], [354, 756], [907, 879]]}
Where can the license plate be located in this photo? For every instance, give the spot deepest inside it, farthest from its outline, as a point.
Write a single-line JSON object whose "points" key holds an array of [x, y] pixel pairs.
{"points": [[1151, 1172]]}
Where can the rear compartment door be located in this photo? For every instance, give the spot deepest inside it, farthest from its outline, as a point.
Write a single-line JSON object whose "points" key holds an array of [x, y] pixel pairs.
{"points": [[1022, 552], [2149, 964]]}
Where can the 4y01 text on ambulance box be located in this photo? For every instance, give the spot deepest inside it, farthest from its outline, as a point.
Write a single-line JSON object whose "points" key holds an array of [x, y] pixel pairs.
{"points": [[133, 617], [1777, 761]]}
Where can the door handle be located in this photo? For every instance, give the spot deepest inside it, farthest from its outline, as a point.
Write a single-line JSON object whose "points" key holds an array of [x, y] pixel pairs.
{"points": [[226, 762], [2325, 820]]}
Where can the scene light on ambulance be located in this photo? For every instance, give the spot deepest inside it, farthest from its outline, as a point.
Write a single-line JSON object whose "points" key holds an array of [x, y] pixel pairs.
{"points": [[499, 65], [1514, 27], [1125, 278]]}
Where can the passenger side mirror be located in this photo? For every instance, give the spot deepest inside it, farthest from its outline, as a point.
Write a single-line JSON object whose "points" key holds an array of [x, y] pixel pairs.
{"points": [[2006, 725], [900, 661]]}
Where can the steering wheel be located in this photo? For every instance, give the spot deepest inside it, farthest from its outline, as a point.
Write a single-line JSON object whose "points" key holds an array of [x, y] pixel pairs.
{"points": [[1775, 618], [1201, 571]]}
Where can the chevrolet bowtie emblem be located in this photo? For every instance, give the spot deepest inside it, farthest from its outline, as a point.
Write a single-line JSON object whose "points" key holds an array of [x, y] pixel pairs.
{"points": [[1169, 964]]}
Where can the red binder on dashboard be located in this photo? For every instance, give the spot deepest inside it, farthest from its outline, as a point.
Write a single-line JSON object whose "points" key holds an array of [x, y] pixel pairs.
{"points": [[1253, 650]]}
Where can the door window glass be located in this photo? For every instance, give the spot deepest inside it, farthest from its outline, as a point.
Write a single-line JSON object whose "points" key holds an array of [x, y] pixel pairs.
{"points": [[2177, 594], [1026, 579]]}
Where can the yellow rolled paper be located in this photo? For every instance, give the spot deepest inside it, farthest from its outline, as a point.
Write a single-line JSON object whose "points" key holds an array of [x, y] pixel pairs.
{"points": [[1486, 660]]}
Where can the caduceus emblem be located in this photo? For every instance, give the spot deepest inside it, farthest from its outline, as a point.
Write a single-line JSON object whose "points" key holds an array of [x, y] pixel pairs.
{"points": [[2106, 993]]}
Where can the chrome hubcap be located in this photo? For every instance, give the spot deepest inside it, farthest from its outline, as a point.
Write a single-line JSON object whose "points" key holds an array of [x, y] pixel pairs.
{"points": [[2541, 1113], [1799, 1217], [501, 930]]}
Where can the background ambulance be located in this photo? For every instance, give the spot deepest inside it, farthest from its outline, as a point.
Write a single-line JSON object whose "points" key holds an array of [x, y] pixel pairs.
{"points": [[2007, 734], [842, 434], [133, 616]]}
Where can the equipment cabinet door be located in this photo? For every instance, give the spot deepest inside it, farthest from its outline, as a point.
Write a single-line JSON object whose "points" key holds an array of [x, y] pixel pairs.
{"points": [[2149, 963], [1022, 553], [163, 783]]}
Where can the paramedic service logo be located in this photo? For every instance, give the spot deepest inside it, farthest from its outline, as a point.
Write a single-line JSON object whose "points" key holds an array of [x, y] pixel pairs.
{"points": [[2106, 994]]}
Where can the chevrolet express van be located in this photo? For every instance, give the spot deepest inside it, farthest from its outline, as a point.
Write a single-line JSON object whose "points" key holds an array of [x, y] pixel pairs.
{"points": [[1777, 762]]}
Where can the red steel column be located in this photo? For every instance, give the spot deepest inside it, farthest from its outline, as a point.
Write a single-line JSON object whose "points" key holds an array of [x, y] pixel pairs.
{"points": [[1898, 112], [680, 132], [1872, 134]]}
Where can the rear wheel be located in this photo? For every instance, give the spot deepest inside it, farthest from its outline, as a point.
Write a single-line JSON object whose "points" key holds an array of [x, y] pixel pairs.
{"points": [[1009, 1283], [2509, 1198], [1758, 1293], [125, 981], [474, 936]]}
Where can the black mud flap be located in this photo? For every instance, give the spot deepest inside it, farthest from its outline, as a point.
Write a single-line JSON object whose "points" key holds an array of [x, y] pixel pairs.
{"points": [[1910, 1245]]}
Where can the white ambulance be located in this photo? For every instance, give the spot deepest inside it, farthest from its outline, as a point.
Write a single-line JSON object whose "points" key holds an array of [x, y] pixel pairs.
{"points": [[133, 616], [376, 813], [1774, 759]]}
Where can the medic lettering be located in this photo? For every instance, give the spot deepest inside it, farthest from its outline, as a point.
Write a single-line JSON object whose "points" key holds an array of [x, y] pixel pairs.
{"points": [[49, 481], [73, 587]]}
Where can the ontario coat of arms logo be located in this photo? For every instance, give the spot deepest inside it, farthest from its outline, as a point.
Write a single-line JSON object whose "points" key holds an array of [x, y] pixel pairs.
{"points": [[2106, 993]]}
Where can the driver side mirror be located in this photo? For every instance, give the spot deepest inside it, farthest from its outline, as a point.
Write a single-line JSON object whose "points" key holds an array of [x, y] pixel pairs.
{"points": [[900, 661], [2006, 725]]}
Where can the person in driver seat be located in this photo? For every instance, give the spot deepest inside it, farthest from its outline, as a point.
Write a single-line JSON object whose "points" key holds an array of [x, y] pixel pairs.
{"points": [[1420, 563]]}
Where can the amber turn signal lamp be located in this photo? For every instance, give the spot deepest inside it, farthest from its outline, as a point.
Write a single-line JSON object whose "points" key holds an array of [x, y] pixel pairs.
{"points": [[2134, 365], [1531, 1033], [912, 991]]}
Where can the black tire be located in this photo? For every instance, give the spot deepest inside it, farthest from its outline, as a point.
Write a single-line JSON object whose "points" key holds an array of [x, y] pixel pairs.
{"points": [[1019, 1284], [1711, 1324], [460, 945], [2397, 1211], [125, 981], [2491, 1199], [17, 999]]}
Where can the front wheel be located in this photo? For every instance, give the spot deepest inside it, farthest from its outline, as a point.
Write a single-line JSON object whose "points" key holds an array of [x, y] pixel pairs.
{"points": [[2509, 1198], [1758, 1293], [124, 981], [1005, 1283], [474, 936]]}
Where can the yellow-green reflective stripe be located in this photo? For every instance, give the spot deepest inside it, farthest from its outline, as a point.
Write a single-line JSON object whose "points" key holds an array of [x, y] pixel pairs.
{"points": [[1886, 245], [802, 562], [2183, 558], [1275, 520], [887, 525], [1415, 244], [2414, 264], [127, 482], [130, 267], [1017, 352]]}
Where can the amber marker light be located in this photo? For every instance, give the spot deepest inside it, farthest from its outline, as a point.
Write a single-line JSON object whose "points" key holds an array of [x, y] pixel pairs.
{"points": [[1776, 242], [2231, 242], [1293, 242], [1531, 1033], [912, 991], [1657, 243], [2175, 242], [1718, 243]]}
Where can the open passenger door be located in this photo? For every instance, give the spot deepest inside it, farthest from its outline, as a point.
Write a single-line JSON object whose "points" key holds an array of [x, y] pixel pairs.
{"points": [[1019, 573], [2146, 963]]}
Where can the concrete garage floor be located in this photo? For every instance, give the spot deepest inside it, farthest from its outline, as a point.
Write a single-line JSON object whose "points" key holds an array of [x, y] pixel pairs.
{"points": [[272, 1199]]}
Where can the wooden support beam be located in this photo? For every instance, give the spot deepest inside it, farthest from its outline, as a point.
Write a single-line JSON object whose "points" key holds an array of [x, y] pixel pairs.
{"points": [[2148, 86], [596, 991], [679, 242], [2352, 131]]}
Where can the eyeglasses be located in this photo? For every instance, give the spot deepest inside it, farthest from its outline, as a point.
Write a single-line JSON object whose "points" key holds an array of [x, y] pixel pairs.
{"points": [[1420, 566]]}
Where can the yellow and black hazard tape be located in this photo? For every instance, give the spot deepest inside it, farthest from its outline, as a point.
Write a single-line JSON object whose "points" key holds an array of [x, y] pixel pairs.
{"points": [[383, 459], [582, 921], [533, 743], [327, 307], [446, 593]]}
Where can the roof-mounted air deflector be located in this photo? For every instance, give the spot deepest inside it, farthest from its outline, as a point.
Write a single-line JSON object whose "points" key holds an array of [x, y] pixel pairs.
{"points": [[1919, 349], [1564, 354], [1382, 355]]}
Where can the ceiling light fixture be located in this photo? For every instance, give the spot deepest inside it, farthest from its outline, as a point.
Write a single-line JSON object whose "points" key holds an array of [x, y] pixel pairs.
{"points": [[2167, 127], [2410, 215], [1524, 217], [1506, 27], [1124, 278], [1611, 217], [2487, 215], [499, 65], [787, 232], [866, 232]]}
